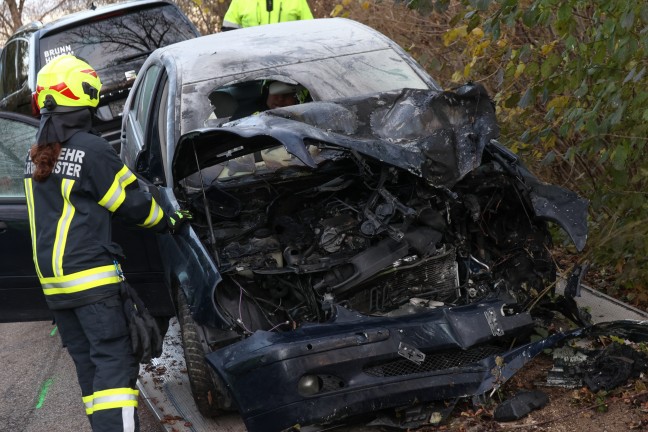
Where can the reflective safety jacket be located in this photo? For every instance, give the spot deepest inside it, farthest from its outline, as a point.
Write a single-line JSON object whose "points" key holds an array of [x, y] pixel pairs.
{"points": [[249, 13], [70, 220]]}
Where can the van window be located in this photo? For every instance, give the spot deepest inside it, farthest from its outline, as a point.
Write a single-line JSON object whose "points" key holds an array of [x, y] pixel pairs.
{"points": [[14, 73], [119, 39], [22, 67]]}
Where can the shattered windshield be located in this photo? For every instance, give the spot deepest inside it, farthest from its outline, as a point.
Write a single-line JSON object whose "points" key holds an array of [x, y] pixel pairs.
{"points": [[406, 128]]}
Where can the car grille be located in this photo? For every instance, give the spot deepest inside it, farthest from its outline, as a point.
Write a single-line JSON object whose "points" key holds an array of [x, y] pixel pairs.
{"points": [[432, 362]]}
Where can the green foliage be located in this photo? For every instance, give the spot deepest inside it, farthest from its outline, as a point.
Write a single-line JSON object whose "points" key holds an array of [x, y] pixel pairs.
{"points": [[427, 6], [572, 90], [570, 82], [601, 401]]}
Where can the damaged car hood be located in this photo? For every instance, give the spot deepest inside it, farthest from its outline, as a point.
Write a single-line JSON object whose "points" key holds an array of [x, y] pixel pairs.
{"points": [[433, 134], [436, 135]]}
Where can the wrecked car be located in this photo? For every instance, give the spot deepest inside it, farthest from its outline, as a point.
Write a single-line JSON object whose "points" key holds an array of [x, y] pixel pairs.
{"points": [[368, 247]]}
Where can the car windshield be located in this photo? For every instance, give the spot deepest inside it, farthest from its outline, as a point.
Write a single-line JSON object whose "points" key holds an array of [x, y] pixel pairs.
{"points": [[118, 39], [325, 79]]}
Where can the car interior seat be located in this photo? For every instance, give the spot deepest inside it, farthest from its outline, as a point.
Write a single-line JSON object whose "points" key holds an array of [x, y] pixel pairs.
{"points": [[249, 97], [223, 103]]}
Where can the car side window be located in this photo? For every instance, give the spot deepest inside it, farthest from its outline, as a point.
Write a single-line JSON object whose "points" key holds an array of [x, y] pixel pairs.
{"points": [[8, 77], [2, 68], [17, 138], [143, 104], [162, 124], [156, 133]]}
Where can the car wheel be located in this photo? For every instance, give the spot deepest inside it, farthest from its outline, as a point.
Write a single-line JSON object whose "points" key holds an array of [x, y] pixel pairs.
{"points": [[209, 392]]}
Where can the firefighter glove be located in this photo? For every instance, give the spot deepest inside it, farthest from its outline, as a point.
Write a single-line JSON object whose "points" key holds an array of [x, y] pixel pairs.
{"points": [[146, 339], [178, 219]]}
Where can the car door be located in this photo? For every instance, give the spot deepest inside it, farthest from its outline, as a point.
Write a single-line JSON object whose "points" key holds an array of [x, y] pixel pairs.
{"points": [[136, 126], [21, 297]]}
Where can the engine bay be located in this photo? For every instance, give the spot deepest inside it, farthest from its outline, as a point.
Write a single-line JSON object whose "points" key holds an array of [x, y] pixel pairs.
{"points": [[371, 237]]}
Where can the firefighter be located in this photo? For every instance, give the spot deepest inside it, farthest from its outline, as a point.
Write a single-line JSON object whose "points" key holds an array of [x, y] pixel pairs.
{"points": [[74, 184], [248, 13]]}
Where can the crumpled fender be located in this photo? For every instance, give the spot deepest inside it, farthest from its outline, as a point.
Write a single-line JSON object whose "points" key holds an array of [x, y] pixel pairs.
{"points": [[550, 202]]}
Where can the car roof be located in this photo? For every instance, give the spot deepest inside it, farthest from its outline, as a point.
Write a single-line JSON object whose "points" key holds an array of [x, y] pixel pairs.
{"points": [[262, 47], [25, 30]]}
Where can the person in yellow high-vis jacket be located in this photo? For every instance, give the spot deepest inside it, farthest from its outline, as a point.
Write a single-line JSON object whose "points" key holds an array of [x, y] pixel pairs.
{"points": [[249, 13], [74, 184]]}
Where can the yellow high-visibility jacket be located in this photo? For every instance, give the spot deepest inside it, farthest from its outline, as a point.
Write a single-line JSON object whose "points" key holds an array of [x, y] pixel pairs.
{"points": [[70, 220], [249, 13]]}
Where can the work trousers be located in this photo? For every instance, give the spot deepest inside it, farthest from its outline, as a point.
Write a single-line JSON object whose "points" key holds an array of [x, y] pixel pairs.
{"points": [[97, 338]]}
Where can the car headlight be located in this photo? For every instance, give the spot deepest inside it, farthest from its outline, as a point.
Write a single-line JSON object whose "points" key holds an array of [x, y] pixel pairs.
{"points": [[309, 385]]}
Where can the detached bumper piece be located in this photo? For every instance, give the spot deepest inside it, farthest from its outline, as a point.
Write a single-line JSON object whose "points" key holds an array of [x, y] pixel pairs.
{"points": [[355, 364]]}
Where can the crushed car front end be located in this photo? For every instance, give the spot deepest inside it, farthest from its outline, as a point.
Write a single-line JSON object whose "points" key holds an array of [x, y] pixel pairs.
{"points": [[355, 364], [372, 252]]}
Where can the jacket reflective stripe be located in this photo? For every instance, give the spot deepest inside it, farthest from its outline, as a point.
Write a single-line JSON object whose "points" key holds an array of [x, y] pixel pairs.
{"points": [[80, 281], [155, 215], [63, 228], [117, 192], [231, 24], [32, 222], [111, 398]]}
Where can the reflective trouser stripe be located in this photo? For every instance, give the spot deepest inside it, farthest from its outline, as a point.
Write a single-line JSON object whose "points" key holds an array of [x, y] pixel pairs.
{"points": [[155, 215], [110, 399], [80, 281], [32, 222], [128, 418], [117, 192], [114, 398], [87, 401], [62, 228]]}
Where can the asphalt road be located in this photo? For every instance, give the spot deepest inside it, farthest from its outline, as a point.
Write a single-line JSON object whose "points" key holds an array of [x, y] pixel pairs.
{"points": [[38, 386]]}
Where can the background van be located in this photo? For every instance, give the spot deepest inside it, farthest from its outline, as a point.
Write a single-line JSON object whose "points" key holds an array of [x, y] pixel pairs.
{"points": [[115, 40]]}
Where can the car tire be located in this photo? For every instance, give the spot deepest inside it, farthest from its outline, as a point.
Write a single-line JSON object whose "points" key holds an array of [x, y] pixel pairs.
{"points": [[208, 390]]}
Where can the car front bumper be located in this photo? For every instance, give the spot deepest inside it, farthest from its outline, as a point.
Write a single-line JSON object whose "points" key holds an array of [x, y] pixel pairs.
{"points": [[355, 364]]}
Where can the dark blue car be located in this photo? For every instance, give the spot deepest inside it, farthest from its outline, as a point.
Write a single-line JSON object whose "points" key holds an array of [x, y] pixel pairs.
{"points": [[366, 248]]}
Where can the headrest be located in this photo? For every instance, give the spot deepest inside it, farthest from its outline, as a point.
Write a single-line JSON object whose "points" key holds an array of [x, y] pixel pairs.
{"points": [[281, 88], [224, 103]]}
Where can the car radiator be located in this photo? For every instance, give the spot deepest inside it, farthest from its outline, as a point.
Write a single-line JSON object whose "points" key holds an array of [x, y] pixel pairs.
{"points": [[410, 282]]}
